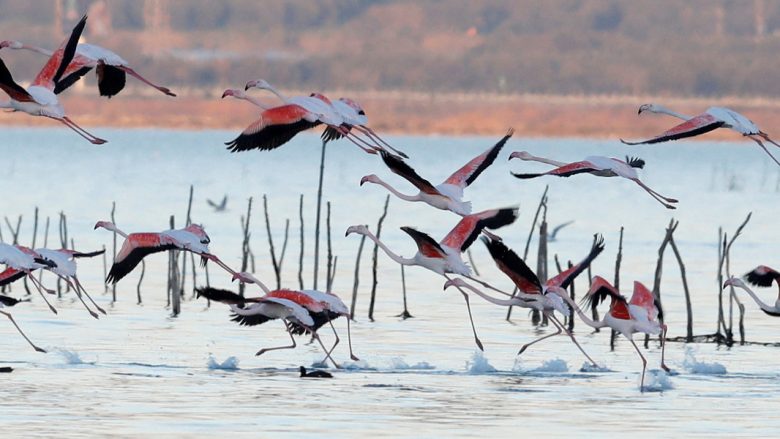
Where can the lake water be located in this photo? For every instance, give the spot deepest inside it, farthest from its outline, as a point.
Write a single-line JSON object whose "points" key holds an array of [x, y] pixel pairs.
{"points": [[137, 371]]}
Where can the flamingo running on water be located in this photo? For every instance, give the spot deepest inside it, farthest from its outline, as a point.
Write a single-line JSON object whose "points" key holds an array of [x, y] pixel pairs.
{"points": [[110, 68], [444, 257], [532, 293], [334, 308], [640, 314], [6, 301], [761, 276], [713, 118], [596, 165], [447, 195], [39, 99], [25, 262], [137, 245], [296, 310]]}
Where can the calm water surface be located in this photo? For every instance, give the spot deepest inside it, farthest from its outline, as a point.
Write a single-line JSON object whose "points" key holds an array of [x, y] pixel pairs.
{"points": [[137, 371]]}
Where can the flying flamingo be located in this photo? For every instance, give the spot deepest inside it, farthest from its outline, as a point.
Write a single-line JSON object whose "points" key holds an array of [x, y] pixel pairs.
{"points": [[713, 118], [449, 194], [110, 68], [334, 307], [137, 245], [295, 309], [445, 257], [354, 118], [532, 293], [323, 109], [64, 267], [761, 276], [640, 314], [597, 165], [39, 99], [26, 261], [6, 301]]}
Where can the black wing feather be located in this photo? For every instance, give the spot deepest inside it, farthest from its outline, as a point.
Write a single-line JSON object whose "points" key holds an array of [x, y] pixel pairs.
{"points": [[504, 217], [111, 79], [507, 257], [421, 238], [69, 80], [10, 86], [761, 280], [9, 301], [400, 167], [598, 247], [270, 137], [123, 268], [701, 130], [13, 278], [491, 157], [331, 133], [70, 49], [88, 254]]}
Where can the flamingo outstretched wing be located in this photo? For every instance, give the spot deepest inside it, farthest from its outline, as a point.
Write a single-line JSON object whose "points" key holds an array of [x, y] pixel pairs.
{"points": [[564, 171], [9, 301], [332, 133], [600, 289], [471, 170], [644, 299], [513, 266], [70, 79], [426, 245], [468, 228], [565, 278], [223, 296], [8, 85], [399, 167], [700, 124], [134, 249], [10, 275], [58, 62], [762, 276], [275, 127]]}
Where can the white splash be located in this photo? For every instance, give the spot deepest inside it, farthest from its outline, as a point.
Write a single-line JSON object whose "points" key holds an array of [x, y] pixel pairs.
{"points": [[554, 366], [70, 357], [230, 363], [396, 363], [355, 365], [589, 367], [657, 380], [701, 367], [479, 364]]}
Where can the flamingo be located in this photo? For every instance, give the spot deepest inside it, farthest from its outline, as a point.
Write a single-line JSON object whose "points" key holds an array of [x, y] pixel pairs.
{"points": [[323, 109], [761, 276], [39, 99], [447, 195], [26, 261], [532, 293], [333, 308], [597, 165], [354, 118], [640, 314], [713, 118], [445, 257], [6, 301], [295, 309], [110, 68], [554, 234], [64, 266], [192, 238], [221, 207]]}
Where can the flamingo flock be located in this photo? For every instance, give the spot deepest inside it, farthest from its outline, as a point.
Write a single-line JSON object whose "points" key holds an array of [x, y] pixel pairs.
{"points": [[306, 312]]}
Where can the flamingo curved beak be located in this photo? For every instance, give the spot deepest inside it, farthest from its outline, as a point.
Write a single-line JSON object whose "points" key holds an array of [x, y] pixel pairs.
{"points": [[514, 155], [227, 92], [250, 84]]}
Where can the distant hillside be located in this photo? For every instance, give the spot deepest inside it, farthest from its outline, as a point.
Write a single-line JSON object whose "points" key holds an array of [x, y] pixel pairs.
{"points": [[660, 47]]}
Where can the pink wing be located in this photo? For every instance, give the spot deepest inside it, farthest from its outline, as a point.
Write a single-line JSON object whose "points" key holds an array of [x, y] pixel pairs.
{"points": [[58, 62], [700, 124], [467, 230], [643, 298], [471, 170], [563, 171]]}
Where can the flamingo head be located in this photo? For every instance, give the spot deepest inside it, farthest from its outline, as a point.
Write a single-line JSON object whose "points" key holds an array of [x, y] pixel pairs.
{"points": [[522, 155], [197, 230], [734, 282], [456, 282], [321, 97], [359, 229], [243, 277], [258, 83], [369, 179], [233, 92], [354, 105], [11, 44], [108, 225], [652, 108]]}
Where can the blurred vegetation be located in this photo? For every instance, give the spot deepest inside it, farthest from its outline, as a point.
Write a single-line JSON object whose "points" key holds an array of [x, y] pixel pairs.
{"points": [[666, 47]]}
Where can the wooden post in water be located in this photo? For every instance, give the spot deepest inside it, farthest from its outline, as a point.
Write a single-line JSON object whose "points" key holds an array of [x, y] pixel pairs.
{"points": [[245, 244], [541, 266], [300, 258], [173, 277], [405, 314], [375, 261], [618, 261], [34, 238], [659, 267], [330, 246], [317, 220], [542, 202], [187, 222], [356, 281], [276, 264], [113, 220], [688, 307]]}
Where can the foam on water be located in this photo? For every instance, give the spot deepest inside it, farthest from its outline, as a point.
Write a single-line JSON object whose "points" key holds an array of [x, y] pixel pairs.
{"points": [[555, 365], [588, 367], [396, 363], [478, 364], [230, 363], [70, 357], [657, 380], [352, 365], [692, 365]]}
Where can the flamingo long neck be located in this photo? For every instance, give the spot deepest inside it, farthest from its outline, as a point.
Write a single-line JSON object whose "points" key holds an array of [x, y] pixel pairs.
{"points": [[588, 321], [112, 227], [252, 100], [262, 286], [399, 259], [277, 93], [664, 110], [40, 50], [491, 299], [544, 160], [758, 301], [396, 193]]}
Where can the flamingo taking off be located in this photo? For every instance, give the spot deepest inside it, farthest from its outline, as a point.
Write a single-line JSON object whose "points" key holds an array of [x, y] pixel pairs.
{"points": [[532, 293], [25, 260], [449, 194], [640, 314], [6, 301], [713, 118], [292, 307], [110, 68], [761, 276], [597, 165], [333, 308], [445, 257], [138, 245], [39, 99]]}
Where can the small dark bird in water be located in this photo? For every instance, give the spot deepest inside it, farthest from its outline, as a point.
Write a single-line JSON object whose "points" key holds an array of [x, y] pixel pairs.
{"points": [[314, 373], [6, 369], [218, 207]]}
